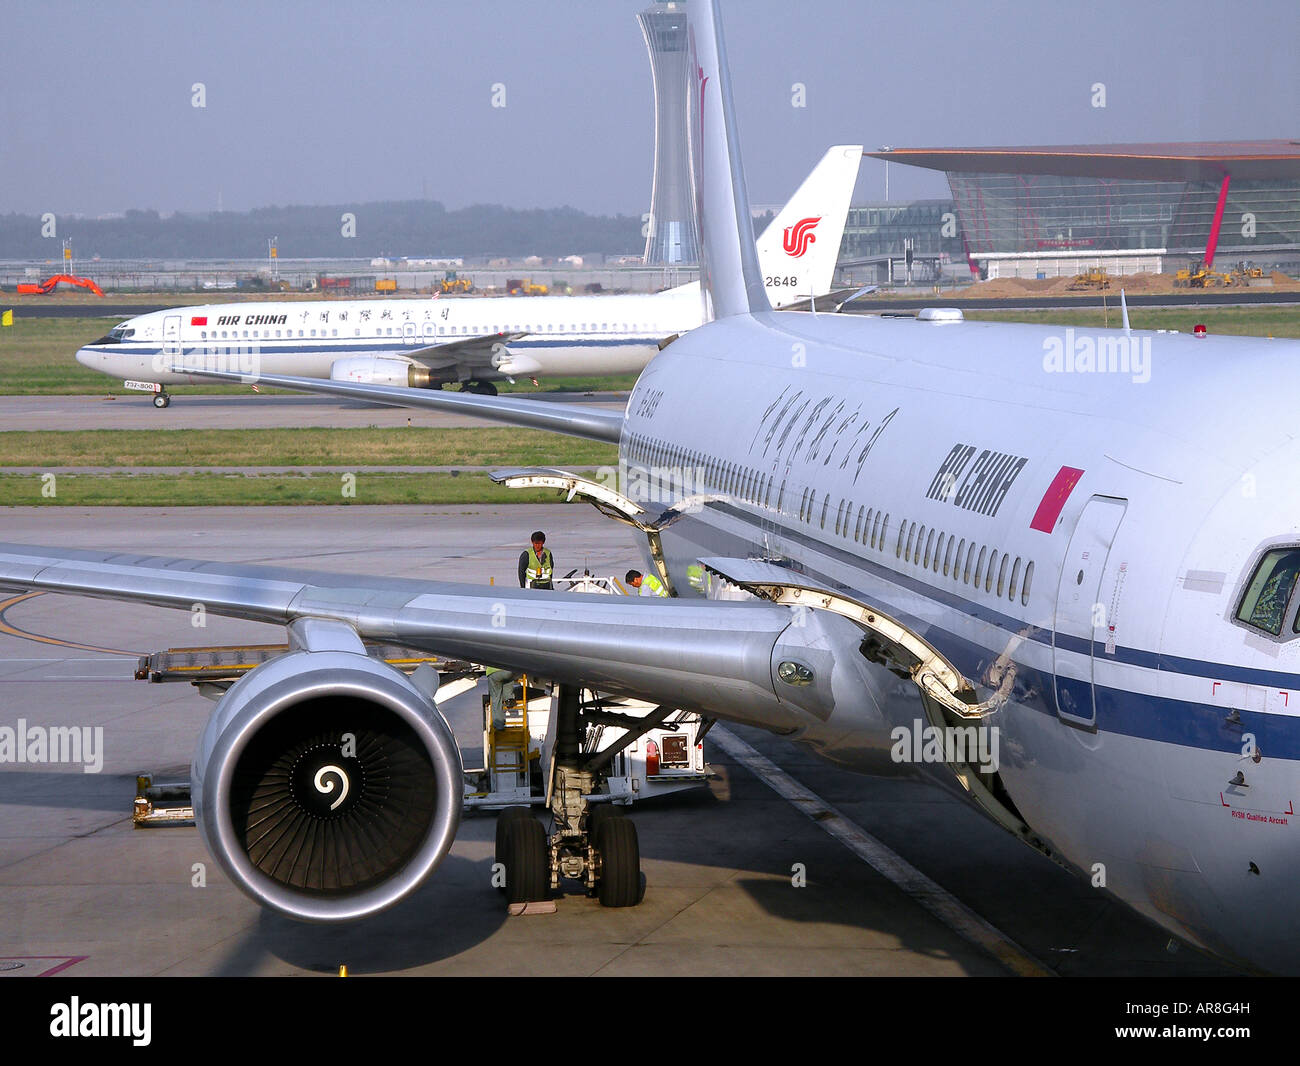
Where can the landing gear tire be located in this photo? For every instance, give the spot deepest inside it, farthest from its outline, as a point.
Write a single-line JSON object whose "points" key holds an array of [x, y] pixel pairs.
{"points": [[504, 820], [598, 813], [161, 400], [620, 855], [479, 388], [527, 861]]}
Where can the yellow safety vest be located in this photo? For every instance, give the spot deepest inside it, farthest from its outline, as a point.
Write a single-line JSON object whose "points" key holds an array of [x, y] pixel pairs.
{"points": [[541, 569], [652, 586]]}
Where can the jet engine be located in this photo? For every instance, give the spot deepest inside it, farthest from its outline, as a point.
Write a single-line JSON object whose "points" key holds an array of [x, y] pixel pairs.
{"points": [[327, 785], [375, 370]]}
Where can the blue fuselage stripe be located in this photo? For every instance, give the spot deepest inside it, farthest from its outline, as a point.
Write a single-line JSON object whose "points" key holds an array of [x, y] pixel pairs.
{"points": [[1118, 710]]}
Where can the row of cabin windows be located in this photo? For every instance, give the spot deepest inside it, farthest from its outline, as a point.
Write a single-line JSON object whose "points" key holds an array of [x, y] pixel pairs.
{"points": [[732, 478], [756, 487], [995, 572], [966, 561], [867, 528], [442, 331]]}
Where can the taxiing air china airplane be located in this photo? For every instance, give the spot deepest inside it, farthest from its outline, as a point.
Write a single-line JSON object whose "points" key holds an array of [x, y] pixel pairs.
{"points": [[1074, 551], [429, 343]]}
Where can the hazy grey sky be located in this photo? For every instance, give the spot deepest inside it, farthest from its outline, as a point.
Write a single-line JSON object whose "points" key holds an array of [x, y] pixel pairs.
{"points": [[324, 103]]}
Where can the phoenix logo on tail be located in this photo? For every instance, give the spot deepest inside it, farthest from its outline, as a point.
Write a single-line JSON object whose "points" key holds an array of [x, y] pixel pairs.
{"points": [[799, 236]]}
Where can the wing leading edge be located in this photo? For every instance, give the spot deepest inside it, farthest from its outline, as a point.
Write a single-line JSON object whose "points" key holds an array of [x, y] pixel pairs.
{"points": [[719, 658]]}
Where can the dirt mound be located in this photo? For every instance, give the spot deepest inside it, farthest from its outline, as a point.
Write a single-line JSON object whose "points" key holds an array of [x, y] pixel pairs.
{"points": [[1002, 288]]}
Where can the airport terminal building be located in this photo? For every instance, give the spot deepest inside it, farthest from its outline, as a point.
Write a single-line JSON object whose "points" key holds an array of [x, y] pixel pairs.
{"points": [[1052, 211]]}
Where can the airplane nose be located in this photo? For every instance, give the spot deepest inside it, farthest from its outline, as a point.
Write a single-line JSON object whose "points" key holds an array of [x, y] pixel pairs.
{"points": [[94, 360]]}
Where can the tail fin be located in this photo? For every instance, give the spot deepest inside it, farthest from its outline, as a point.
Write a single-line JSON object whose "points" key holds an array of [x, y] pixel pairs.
{"points": [[730, 278], [798, 251]]}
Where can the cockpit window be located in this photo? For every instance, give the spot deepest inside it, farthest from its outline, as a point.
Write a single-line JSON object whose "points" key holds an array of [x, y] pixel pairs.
{"points": [[116, 335], [1265, 602]]}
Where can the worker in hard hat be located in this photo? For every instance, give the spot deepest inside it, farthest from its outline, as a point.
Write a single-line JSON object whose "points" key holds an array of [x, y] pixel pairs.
{"points": [[645, 584], [536, 564]]}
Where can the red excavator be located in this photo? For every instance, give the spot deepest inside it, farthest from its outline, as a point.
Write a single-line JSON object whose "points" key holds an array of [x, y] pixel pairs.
{"points": [[49, 284]]}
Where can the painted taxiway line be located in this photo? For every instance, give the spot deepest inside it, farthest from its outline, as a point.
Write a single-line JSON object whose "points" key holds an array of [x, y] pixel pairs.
{"points": [[13, 631], [929, 894]]}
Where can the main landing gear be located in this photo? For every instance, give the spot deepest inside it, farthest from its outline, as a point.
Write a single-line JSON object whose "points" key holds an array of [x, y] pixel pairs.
{"points": [[481, 388], [594, 843], [607, 857], [161, 400]]}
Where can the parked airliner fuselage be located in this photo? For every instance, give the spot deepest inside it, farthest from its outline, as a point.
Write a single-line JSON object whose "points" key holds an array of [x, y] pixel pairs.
{"points": [[1094, 543]]}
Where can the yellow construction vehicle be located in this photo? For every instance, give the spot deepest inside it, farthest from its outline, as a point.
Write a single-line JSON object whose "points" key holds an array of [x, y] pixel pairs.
{"points": [[1093, 278], [385, 284], [454, 284], [1202, 278]]}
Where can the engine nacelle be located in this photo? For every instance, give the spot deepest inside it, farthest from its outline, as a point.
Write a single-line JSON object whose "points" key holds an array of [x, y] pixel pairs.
{"points": [[326, 785], [376, 370], [515, 364]]}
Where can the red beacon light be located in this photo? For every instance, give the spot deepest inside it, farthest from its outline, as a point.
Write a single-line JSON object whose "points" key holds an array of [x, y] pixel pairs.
{"points": [[1198, 330]]}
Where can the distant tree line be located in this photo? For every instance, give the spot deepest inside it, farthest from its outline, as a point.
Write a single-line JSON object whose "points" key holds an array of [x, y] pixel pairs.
{"points": [[415, 228]]}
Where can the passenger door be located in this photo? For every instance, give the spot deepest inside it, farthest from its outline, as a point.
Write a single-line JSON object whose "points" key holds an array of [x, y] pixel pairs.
{"points": [[1080, 621], [172, 336]]}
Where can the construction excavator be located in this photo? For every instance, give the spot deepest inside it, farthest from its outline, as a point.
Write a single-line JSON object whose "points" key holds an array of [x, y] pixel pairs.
{"points": [[51, 283]]}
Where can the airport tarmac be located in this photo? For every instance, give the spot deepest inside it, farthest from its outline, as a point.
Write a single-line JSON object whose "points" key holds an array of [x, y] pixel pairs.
{"points": [[241, 409], [83, 892]]}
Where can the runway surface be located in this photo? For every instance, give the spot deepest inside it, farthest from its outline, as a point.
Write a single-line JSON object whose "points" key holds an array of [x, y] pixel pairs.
{"points": [[240, 409], [82, 891]]}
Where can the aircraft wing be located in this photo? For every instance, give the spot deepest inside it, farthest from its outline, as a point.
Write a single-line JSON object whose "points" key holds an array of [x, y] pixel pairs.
{"points": [[716, 657], [592, 423], [474, 351]]}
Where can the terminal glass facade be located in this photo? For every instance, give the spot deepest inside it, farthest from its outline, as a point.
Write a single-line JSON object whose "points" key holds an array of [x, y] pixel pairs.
{"points": [[1019, 213], [881, 229], [1023, 214]]}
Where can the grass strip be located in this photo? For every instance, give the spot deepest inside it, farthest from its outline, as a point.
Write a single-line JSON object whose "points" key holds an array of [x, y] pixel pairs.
{"points": [[254, 490], [320, 446]]}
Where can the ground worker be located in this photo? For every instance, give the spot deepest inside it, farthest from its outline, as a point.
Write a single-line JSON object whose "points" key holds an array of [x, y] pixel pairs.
{"points": [[499, 682], [536, 564], [645, 584]]}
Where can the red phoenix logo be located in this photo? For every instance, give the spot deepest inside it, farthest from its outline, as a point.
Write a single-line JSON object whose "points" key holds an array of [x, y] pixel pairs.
{"points": [[799, 236]]}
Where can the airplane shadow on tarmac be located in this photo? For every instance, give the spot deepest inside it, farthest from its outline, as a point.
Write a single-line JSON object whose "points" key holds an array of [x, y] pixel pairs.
{"points": [[457, 909], [735, 871]]}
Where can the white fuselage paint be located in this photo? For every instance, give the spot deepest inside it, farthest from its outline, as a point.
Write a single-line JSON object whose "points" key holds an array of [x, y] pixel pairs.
{"points": [[482, 338], [869, 454], [564, 336]]}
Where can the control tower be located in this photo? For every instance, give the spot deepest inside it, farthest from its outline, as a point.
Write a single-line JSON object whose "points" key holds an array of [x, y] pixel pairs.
{"points": [[672, 239]]}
